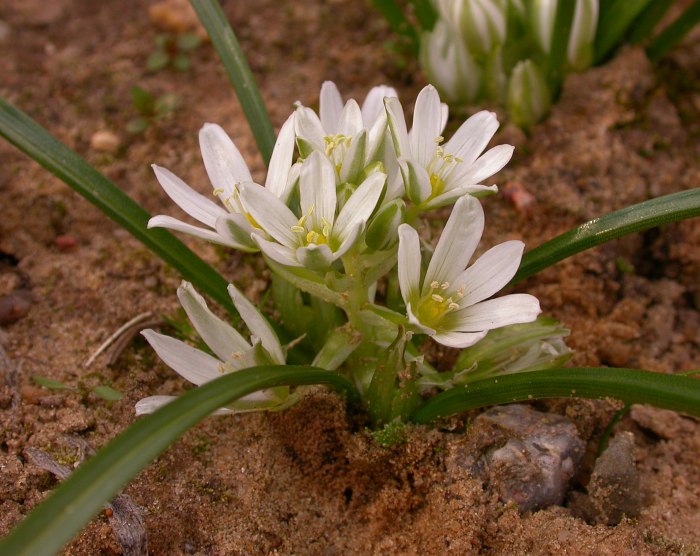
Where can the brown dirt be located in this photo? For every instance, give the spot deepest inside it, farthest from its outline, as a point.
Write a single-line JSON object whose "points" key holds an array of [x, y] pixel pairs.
{"points": [[310, 481]]}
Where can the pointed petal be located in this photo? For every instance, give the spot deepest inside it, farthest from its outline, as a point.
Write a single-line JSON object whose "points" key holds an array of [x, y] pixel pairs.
{"points": [[457, 242], [196, 205], [308, 127], [330, 106], [257, 324], [281, 161], [409, 263], [416, 180], [397, 127], [190, 363], [427, 119], [237, 230], [417, 326], [351, 236], [163, 221], [315, 257], [279, 253], [222, 338], [485, 166], [224, 163], [458, 340], [354, 159], [269, 212], [472, 137], [490, 273], [360, 206], [317, 190], [350, 123], [444, 115], [477, 191], [376, 135], [510, 309], [148, 405], [373, 106]]}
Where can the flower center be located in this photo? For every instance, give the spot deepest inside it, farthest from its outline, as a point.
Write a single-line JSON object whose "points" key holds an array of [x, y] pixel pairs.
{"points": [[336, 148], [432, 307], [440, 167], [312, 236]]}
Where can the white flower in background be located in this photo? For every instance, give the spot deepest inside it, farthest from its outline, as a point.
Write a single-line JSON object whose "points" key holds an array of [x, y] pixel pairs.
{"points": [[481, 23], [435, 175], [226, 169], [348, 135], [448, 302], [317, 237], [233, 352]]}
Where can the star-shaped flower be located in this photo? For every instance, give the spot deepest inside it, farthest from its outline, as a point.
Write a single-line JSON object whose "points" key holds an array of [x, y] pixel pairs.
{"points": [[448, 301]]}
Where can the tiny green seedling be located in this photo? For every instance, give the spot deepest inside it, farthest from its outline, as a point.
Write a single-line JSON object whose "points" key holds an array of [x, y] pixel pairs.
{"points": [[150, 108], [173, 51], [105, 392]]}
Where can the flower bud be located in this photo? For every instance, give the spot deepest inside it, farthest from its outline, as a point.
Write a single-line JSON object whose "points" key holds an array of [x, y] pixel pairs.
{"points": [[528, 97], [382, 231], [583, 29], [482, 25]]}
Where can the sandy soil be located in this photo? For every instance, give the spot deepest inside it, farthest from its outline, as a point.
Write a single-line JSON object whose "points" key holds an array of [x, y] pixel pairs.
{"points": [[311, 480]]}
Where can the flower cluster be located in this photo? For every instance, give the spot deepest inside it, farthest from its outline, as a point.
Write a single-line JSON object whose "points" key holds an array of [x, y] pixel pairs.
{"points": [[339, 220]]}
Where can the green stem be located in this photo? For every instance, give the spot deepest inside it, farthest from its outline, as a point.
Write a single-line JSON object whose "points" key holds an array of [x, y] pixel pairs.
{"points": [[675, 32], [226, 44], [631, 386]]}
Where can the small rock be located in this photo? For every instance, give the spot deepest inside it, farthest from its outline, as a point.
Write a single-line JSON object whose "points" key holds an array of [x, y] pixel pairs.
{"points": [[527, 456], [613, 491], [522, 200], [176, 16], [65, 243], [105, 141], [14, 306]]}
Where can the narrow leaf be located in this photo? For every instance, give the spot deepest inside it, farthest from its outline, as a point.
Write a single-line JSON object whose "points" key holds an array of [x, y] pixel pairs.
{"points": [[615, 19], [643, 27], [80, 497], [50, 383], [675, 32], [32, 139], [635, 218]]}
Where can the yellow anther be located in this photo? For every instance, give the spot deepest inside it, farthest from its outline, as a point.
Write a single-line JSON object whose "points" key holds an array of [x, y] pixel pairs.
{"points": [[218, 191], [438, 298], [444, 285], [434, 285], [298, 229], [453, 306], [326, 230]]}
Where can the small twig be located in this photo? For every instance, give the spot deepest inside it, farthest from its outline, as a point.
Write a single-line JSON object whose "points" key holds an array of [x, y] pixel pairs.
{"points": [[122, 336]]}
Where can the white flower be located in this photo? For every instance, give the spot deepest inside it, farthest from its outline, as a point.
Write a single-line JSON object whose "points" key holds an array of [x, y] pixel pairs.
{"points": [[435, 175], [226, 169], [348, 135], [481, 23], [233, 352], [317, 237], [448, 302]]}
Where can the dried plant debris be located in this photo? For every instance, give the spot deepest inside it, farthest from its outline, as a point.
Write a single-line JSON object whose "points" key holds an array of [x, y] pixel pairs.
{"points": [[125, 517]]}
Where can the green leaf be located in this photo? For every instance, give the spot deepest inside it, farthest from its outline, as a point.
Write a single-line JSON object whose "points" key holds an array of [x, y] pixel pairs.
{"points": [[675, 32], [226, 44], [142, 100], [678, 393], [166, 103], [137, 125], [635, 218], [29, 137], [50, 383], [615, 19], [563, 21], [643, 27], [107, 393], [399, 23], [80, 497], [187, 42], [157, 60], [182, 62]]}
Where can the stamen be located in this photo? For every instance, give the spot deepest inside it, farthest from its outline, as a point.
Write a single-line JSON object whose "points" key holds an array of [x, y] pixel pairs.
{"points": [[438, 298], [453, 306], [444, 285], [434, 285]]}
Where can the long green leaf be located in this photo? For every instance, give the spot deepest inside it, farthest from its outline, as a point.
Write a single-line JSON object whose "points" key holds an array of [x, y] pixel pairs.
{"points": [[398, 22], [675, 32], [679, 393], [226, 44], [563, 21], [613, 23], [32, 139], [635, 218], [644, 25], [80, 497]]}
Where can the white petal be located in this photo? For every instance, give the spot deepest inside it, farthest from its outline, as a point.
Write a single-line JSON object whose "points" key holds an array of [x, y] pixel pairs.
{"points": [[224, 163], [477, 190], [281, 161], [194, 365], [163, 221], [457, 242], [472, 137], [279, 253], [315, 257], [409, 263], [352, 233], [491, 272], [237, 229], [458, 339], [397, 126], [360, 206], [317, 190], [416, 180], [222, 338], [444, 115], [373, 106], [485, 166], [350, 123], [376, 136], [427, 120], [330, 106], [257, 324], [148, 405], [417, 326], [269, 212], [308, 127], [354, 159], [510, 309], [196, 205]]}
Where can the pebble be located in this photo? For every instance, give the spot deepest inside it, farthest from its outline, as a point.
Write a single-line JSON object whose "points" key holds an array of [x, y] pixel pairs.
{"points": [[14, 306], [65, 243], [517, 195], [105, 141], [527, 456]]}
